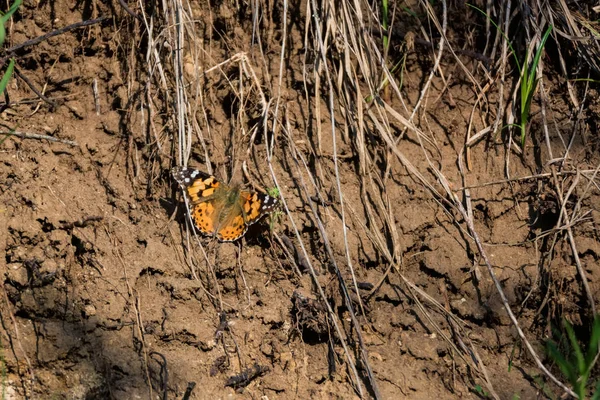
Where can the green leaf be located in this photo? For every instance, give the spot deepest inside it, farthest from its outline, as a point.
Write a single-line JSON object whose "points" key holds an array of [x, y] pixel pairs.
{"points": [[273, 192]]}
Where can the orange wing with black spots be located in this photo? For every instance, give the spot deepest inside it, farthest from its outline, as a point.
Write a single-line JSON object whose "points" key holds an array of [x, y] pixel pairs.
{"points": [[233, 229], [219, 210], [198, 186], [203, 215], [256, 205]]}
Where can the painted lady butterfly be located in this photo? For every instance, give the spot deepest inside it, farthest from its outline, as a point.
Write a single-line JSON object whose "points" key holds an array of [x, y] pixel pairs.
{"points": [[219, 210]]}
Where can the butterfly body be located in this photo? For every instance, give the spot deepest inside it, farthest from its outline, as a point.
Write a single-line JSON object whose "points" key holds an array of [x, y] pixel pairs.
{"points": [[220, 210]]}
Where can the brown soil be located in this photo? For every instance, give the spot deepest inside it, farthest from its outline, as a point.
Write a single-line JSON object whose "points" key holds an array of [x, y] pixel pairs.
{"points": [[104, 297]]}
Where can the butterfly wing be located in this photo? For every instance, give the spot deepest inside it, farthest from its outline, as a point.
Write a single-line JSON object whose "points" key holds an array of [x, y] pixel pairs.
{"points": [[213, 206], [250, 208], [256, 205], [200, 190], [234, 226], [197, 185]]}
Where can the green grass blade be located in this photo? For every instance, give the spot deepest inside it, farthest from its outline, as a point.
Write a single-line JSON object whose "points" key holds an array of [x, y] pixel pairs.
{"points": [[561, 361], [526, 97], [579, 358], [594, 340], [501, 32], [385, 23], [7, 75], [5, 18], [596, 395], [529, 84], [11, 11], [538, 55], [531, 79]]}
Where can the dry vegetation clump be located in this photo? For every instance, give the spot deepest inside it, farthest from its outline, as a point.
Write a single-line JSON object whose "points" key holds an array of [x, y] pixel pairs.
{"points": [[436, 165]]}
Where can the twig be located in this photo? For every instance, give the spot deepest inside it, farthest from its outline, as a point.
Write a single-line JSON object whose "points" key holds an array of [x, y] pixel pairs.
{"points": [[505, 303], [380, 283], [164, 372], [57, 32], [355, 377], [425, 43], [452, 200], [246, 376], [25, 135], [6, 101], [34, 89], [565, 217], [287, 246], [527, 178], [188, 391], [129, 10], [138, 320], [324, 236], [96, 96], [18, 336]]}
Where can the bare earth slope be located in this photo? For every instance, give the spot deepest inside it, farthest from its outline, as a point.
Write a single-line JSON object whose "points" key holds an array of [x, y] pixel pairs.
{"points": [[107, 294]]}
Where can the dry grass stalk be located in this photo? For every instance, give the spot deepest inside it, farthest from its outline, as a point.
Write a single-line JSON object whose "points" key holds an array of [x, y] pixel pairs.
{"points": [[347, 73]]}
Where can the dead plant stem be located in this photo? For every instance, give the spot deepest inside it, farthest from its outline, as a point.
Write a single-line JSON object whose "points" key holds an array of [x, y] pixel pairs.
{"points": [[37, 136]]}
